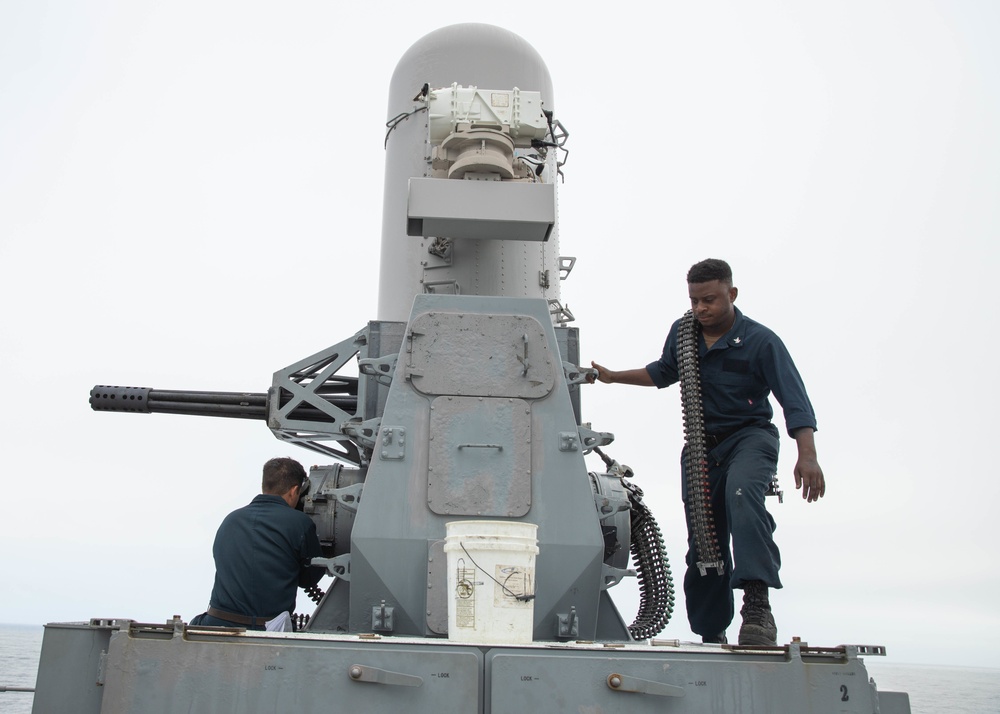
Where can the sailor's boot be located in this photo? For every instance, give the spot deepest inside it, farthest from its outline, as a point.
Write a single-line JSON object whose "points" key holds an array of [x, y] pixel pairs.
{"points": [[758, 623]]}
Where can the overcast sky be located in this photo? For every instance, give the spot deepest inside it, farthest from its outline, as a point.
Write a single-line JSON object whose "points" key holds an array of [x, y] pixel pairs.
{"points": [[190, 198]]}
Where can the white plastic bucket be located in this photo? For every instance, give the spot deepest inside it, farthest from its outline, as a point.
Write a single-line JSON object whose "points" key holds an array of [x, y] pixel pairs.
{"points": [[491, 581]]}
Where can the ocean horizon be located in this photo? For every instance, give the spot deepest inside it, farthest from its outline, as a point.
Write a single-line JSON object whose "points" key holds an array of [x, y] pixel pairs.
{"points": [[933, 688]]}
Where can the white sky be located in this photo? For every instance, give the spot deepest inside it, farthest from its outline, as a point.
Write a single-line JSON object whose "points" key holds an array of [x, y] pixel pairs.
{"points": [[190, 198]]}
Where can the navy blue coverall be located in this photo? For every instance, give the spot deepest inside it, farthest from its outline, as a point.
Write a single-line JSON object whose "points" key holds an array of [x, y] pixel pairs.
{"points": [[262, 553], [737, 374]]}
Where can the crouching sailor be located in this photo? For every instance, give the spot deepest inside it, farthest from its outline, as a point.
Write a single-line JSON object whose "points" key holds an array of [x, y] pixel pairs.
{"points": [[262, 554]]}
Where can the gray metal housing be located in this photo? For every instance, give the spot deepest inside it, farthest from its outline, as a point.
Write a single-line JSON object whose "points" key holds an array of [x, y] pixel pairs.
{"points": [[517, 256], [478, 424], [122, 667]]}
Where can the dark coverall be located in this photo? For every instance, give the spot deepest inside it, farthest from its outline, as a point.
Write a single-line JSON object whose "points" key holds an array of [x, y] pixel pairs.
{"points": [[262, 553], [737, 374]]}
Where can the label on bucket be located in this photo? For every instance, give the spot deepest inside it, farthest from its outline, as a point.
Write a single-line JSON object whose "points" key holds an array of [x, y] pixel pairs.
{"points": [[513, 584], [465, 597]]}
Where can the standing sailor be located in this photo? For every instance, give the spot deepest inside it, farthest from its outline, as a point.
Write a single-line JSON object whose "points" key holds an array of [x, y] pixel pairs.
{"points": [[740, 362]]}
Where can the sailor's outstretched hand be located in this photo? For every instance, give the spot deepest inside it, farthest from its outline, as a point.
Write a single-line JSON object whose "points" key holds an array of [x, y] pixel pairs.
{"points": [[602, 374]]}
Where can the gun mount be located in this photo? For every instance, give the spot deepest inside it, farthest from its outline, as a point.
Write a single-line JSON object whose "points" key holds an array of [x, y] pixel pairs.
{"points": [[465, 407], [461, 373]]}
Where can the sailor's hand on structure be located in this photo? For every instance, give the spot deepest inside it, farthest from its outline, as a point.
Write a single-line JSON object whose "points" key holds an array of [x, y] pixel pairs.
{"points": [[603, 374]]}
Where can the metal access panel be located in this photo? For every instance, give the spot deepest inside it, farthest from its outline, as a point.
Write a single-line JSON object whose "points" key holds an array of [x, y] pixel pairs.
{"points": [[479, 457], [657, 682], [486, 210], [481, 355], [196, 671]]}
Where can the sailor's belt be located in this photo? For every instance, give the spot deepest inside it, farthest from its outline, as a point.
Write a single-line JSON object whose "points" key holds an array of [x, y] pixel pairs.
{"points": [[241, 619], [713, 440]]}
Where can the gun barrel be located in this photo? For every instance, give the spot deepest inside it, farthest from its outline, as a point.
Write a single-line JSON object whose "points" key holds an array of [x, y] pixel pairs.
{"points": [[232, 405], [143, 400]]}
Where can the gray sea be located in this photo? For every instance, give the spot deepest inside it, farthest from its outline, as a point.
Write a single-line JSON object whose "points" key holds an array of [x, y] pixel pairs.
{"points": [[933, 689]]}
